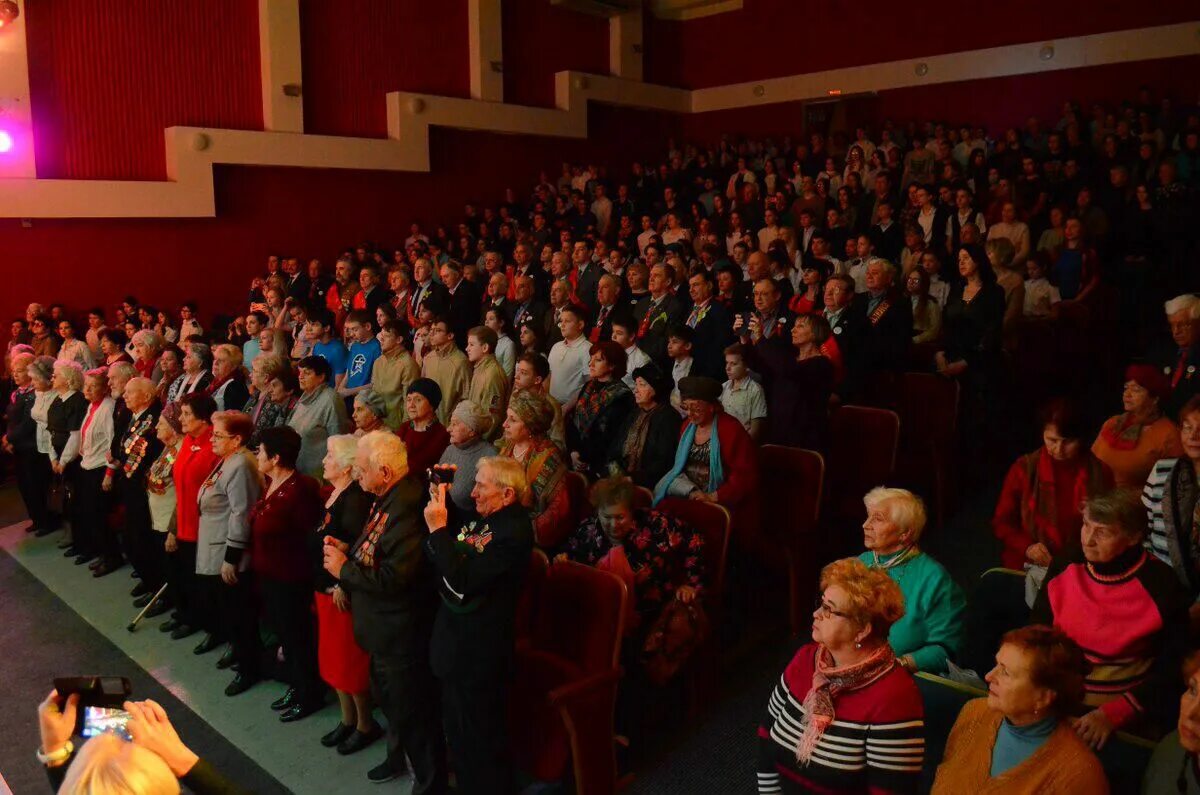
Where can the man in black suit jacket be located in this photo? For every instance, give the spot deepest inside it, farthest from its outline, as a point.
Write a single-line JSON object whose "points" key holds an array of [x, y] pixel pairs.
{"points": [[497, 298], [526, 307], [298, 283], [136, 449], [887, 236], [463, 299], [935, 237], [524, 264], [587, 273], [425, 290], [482, 568], [713, 326], [373, 293], [608, 298], [880, 331], [394, 593], [656, 313]]}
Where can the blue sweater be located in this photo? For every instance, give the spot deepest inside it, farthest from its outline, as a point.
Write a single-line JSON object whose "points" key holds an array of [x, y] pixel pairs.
{"points": [[932, 627], [1015, 744]]}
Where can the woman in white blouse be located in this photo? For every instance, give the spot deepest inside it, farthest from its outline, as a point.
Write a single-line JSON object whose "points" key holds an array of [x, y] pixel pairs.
{"points": [[95, 439], [1017, 232]]}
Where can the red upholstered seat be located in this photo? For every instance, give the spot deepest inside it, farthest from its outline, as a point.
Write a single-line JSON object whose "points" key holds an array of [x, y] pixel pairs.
{"points": [[862, 455], [792, 486]]}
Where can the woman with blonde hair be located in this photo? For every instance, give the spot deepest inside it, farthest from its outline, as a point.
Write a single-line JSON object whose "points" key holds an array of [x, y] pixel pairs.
{"points": [[931, 630], [845, 716]]}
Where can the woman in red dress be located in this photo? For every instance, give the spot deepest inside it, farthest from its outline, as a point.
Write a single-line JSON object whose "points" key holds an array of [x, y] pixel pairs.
{"points": [[195, 462]]}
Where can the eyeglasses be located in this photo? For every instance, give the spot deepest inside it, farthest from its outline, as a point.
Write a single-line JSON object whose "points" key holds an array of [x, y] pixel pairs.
{"points": [[824, 610], [222, 436]]}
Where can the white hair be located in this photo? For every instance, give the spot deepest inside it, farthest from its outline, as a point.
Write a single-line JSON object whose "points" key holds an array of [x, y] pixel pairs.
{"points": [[72, 373], [385, 449], [904, 509], [343, 448], [1187, 301], [107, 765]]}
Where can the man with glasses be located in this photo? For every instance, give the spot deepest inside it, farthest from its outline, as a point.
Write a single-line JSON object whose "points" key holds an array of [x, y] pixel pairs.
{"points": [[45, 342]]}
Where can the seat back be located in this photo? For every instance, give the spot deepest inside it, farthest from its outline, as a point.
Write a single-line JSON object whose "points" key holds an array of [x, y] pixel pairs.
{"points": [[577, 494], [928, 410], [581, 616], [791, 482], [643, 498], [531, 593], [944, 699], [712, 521], [862, 455]]}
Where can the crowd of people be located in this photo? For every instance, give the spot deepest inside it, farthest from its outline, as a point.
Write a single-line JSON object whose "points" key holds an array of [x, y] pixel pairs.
{"points": [[349, 472]]}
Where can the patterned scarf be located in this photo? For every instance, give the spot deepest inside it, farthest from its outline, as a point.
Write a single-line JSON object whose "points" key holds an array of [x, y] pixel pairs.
{"points": [[596, 397], [828, 683], [1123, 432], [1039, 512]]}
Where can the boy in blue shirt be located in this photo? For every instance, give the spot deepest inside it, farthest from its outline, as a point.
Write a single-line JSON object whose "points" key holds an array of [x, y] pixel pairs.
{"points": [[364, 350], [320, 331]]}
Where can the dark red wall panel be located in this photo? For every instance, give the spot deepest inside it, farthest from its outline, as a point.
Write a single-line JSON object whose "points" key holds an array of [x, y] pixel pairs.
{"points": [[355, 52], [774, 38], [541, 39], [106, 79]]}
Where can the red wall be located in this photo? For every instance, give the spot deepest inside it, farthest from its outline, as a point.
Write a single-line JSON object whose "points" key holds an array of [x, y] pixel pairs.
{"points": [[773, 38], [107, 78], [541, 39]]}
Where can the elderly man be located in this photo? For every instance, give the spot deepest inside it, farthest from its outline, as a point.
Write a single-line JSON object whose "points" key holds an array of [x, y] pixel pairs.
{"points": [[482, 569], [135, 450], [489, 384], [657, 312], [1182, 359], [447, 366], [882, 334], [392, 588]]}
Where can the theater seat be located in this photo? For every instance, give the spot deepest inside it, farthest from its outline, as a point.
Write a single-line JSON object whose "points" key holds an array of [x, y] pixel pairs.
{"points": [[564, 694], [577, 493], [862, 455], [928, 430], [531, 592], [790, 491]]}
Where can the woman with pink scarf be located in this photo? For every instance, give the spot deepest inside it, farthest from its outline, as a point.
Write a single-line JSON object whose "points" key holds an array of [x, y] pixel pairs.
{"points": [[845, 716]]}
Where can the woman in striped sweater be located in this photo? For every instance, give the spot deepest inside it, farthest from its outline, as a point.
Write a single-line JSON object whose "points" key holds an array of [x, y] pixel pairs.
{"points": [[1171, 497], [845, 716]]}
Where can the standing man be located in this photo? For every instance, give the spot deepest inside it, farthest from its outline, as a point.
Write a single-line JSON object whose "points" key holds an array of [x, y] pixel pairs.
{"points": [[393, 591], [472, 653], [447, 366], [489, 384]]}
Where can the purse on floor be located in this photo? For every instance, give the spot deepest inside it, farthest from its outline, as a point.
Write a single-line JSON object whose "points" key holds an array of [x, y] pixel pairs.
{"points": [[678, 631]]}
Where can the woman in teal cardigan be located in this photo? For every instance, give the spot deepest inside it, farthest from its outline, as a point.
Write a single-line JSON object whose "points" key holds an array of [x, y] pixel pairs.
{"points": [[931, 630]]}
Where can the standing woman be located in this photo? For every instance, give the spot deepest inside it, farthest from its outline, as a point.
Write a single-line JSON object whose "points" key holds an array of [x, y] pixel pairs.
{"points": [[222, 563], [800, 376], [264, 412], [147, 347], [424, 437], [112, 347], [195, 462], [64, 418], [280, 560], [603, 406], [20, 440], [813, 273], [73, 348], [343, 664], [41, 374], [197, 375], [170, 364], [526, 429], [927, 314], [229, 386], [95, 439], [160, 495], [319, 414]]}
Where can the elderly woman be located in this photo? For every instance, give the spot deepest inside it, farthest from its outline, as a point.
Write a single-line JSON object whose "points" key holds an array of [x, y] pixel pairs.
{"points": [[161, 499], [424, 437], [226, 499], [147, 347], [370, 412], [343, 664], [64, 419], [170, 364], [845, 716], [657, 556], [41, 376], [1131, 442], [1124, 607], [1173, 766], [1038, 514], [1019, 739], [604, 403], [1171, 496], [319, 413], [644, 446], [468, 423], [20, 440], [197, 372], [931, 630], [228, 387], [195, 462], [530, 415], [95, 440], [279, 530], [265, 412], [800, 378]]}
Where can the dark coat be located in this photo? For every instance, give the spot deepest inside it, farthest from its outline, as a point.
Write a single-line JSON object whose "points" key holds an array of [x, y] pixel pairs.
{"points": [[653, 339], [662, 437], [878, 345], [714, 333], [21, 427]]}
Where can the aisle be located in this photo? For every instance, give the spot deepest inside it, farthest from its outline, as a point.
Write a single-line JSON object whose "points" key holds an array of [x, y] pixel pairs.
{"points": [[60, 620]]}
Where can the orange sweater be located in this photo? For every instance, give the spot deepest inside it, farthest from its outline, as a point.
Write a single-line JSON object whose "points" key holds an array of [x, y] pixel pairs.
{"points": [[1062, 765], [1159, 439]]}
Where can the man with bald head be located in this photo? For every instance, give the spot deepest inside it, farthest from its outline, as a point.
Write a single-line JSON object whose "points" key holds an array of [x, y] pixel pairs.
{"points": [[878, 354], [527, 307]]}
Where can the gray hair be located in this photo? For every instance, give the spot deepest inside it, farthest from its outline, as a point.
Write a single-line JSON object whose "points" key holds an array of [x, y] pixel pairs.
{"points": [[72, 373], [343, 448], [384, 449], [507, 473], [1181, 302], [151, 339], [904, 509], [121, 369], [373, 401], [1120, 508]]}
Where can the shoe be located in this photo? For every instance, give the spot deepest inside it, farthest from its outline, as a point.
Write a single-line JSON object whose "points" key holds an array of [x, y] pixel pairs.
{"points": [[358, 741], [285, 701], [32, 528], [183, 631], [160, 607], [42, 532], [71, 552], [133, 574], [105, 568], [84, 557], [336, 736], [142, 601], [240, 684], [299, 711], [208, 644], [226, 660], [95, 564], [140, 589], [384, 773], [170, 625]]}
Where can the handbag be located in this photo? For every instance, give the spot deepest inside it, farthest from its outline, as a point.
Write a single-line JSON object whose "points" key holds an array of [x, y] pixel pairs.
{"points": [[677, 632], [56, 498]]}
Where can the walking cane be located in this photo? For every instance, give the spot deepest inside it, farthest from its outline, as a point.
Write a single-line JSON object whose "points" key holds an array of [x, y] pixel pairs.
{"points": [[138, 618]]}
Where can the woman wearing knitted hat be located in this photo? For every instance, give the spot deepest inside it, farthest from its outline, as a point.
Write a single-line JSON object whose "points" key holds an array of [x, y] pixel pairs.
{"points": [[370, 410], [468, 423], [1132, 441], [530, 415], [424, 437]]}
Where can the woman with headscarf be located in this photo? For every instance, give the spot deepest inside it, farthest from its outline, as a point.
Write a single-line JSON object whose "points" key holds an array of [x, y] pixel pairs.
{"points": [[603, 404], [468, 423], [370, 412], [1131, 442], [526, 439], [643, 447]]}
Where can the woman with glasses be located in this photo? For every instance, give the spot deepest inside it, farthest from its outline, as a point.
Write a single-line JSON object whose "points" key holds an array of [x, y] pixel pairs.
{"points": [[45, 342], [845, 716]]}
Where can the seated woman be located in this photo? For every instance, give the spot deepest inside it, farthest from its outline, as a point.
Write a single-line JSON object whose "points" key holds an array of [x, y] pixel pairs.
{"points": [[663, 558], [1125, 608], [197, 372], [931, 630], [424, 437], [799, 380], [1019, 739], [1131, 442], [603, 404], [644, 446], [370, 412], [845, 716], [525, 439], [1173, 767], [715, 460], [1037, 516], [1171, 496]]}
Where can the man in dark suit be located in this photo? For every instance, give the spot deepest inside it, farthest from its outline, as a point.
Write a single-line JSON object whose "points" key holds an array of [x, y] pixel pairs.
{"points": [[526, 307], [497, 297], [881, 336], [713, 327], [1180, 358], [524, 264], [934, 218], [425, 290], [373, 293], [587, 273], [482, 568], [463, 299], [136, 449], [656, 313], [608, 295], [887, 236], [394, 593], [298, 283]]}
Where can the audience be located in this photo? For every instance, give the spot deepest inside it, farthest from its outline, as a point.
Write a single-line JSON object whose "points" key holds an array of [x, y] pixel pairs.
{"points": [[1130, 443]]}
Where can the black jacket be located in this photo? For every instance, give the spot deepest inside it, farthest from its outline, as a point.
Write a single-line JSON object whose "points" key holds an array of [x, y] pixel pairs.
{"points": [[389, 581], [714, 333], [138, 443], [235, 395], [462, 312], [481, 580], [344, 520], [19, 422], [653, 339], [658, 455], [875, 345]]}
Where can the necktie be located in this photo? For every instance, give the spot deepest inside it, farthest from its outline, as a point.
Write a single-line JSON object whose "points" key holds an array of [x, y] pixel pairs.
{"points": [[1178, 374]]}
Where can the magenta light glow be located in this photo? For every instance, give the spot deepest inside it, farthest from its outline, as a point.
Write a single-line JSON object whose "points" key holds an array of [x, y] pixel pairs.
{"points": [[6, 142]]}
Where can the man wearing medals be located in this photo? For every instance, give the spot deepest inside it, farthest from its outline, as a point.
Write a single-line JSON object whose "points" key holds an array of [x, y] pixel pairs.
{"points": [[137, 449], [481, 567], [882, 322]]}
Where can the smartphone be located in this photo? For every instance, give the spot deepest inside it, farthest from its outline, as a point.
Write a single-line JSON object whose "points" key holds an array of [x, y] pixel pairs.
{"points": [[105, 720], [100, 700]]}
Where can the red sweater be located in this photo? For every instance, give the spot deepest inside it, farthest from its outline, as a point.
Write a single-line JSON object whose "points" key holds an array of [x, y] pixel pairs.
{"points": [[425, 447], [195, 463], [279, 528]]}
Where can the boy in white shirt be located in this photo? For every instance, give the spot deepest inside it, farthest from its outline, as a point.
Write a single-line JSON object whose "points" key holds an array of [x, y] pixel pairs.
{"points": [[741, 396], [1040, 294], [939, 288], [679, 348], [624, 333]]}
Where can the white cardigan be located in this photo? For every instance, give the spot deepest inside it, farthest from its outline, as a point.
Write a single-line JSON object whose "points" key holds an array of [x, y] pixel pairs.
{"points": [[95, 444]]}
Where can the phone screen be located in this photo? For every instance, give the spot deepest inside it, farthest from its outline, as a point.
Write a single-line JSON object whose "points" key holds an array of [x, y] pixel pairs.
{"points": [[101, 720]]}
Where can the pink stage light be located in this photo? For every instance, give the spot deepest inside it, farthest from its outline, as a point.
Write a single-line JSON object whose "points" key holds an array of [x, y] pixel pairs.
{"points": [[6, 142]]}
